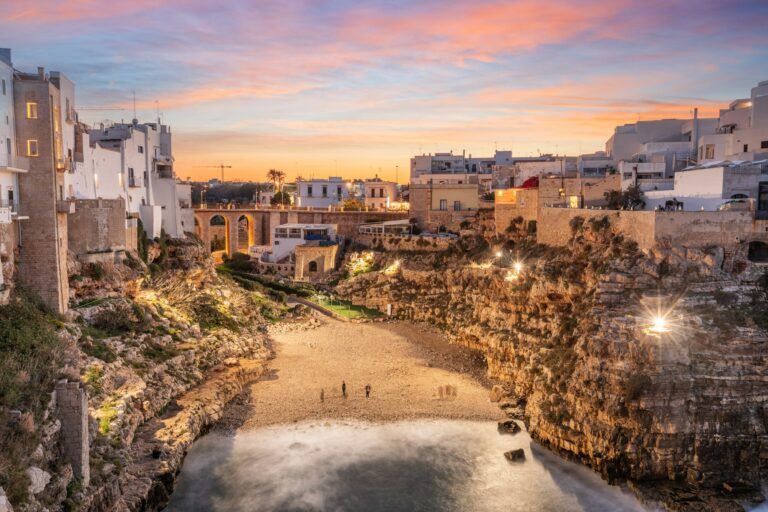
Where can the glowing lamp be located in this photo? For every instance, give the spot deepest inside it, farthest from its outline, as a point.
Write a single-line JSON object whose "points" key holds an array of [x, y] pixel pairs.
{"points": [[518, 266], [498, 254], [659, 324]]}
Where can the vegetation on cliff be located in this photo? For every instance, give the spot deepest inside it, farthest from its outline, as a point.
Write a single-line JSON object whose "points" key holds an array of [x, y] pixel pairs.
{"points": [[138, 337]]}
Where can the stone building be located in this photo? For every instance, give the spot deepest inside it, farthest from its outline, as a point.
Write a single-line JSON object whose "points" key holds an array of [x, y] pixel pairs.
{"points": [[43, 253]]}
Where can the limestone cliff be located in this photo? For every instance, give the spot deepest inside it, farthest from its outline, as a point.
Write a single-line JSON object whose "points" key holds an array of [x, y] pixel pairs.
{"points": [[159, 350], [571, 335]]}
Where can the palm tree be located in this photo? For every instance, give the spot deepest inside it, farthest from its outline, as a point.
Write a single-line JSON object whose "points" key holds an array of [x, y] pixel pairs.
{"points": [[277, 178]]}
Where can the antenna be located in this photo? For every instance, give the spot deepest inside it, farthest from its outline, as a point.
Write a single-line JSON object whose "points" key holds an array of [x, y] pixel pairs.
{"points": [[134, 104], [157, 108]]}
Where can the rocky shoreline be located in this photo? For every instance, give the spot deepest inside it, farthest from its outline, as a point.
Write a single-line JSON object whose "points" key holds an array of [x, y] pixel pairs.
{"points": [[569, 338]]}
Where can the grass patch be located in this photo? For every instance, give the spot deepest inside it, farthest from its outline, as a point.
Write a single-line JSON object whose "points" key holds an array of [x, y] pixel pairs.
{"points": [[346, 309]]}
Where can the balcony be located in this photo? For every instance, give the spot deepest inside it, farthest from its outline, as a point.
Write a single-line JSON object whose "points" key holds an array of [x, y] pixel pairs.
{"points": [[13, 163]]}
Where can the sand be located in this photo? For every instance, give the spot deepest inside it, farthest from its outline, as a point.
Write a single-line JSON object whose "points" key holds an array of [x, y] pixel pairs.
{"points": [[404, 364]]}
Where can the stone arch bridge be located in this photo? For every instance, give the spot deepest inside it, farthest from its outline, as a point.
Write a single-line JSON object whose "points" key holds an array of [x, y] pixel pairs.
{"points": [[235, 225]]}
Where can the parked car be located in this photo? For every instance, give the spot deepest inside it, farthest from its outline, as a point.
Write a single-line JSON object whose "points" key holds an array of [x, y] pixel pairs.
{"points": [[734, 205]]}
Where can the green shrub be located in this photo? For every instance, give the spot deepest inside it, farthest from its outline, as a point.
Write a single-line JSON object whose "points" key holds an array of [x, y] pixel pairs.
{"points": [[95, 271]]}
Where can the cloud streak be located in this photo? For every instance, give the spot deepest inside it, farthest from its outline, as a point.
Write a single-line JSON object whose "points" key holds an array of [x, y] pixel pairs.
{"points": [[317, 81]]}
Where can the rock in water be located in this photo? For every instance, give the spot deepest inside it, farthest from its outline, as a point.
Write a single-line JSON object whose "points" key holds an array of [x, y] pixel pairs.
{"points": [[38, 479], [515, 455], [508, 427], [497, 393]]}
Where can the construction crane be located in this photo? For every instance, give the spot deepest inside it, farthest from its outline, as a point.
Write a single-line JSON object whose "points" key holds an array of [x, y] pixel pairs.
{"points": [[220, 166]]}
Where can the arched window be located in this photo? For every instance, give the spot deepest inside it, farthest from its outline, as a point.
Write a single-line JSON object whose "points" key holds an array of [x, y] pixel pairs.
{"points": [[313, 266], [739, 196]]}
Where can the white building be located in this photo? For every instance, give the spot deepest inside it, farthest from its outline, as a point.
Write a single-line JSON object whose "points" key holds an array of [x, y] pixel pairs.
{"points": [[448, 163], [321, 193], [649, 153], [379, 194], [595, 164], [135, 161], [726, 184], [741, 131], [286, 237], [11, 164]]}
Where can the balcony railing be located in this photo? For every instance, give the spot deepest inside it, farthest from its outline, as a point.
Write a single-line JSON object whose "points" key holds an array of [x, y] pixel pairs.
{"points": [[14, 162]]}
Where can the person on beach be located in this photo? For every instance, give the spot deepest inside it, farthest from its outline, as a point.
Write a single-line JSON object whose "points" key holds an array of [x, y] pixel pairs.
{"points": [[344, 389], [367, 391], [322, 395]]}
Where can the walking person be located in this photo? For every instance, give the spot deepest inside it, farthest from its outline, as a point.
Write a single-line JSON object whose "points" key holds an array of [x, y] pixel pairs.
{"points": [[343, 389], [367, 391]]}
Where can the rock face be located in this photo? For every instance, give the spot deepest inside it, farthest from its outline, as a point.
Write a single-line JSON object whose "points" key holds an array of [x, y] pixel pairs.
{"points": [[571, 336], [38, 479], [5, 505]]}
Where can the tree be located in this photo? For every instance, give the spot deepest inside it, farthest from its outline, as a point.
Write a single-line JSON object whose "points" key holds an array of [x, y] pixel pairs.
{"points": [[281, 197], [277, 178], [630, 199], [353, 205]]}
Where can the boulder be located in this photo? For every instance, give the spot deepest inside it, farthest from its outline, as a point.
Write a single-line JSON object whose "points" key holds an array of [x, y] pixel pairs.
{"points": [[515, 455], [38, 479], [508, 427], [5, 505], [497, 393]]}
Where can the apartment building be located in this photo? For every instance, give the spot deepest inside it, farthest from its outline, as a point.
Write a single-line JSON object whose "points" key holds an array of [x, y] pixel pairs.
{"points": [[321, 193], [741, 130], [143, 175], [11, 167], [448, 163], [379, 194], [39, 133]]}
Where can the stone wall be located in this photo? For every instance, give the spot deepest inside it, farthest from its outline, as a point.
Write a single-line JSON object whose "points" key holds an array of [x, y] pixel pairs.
{"points": [[98, 225], [648, 228], [72, 409], [406, 242], [554, 226]]}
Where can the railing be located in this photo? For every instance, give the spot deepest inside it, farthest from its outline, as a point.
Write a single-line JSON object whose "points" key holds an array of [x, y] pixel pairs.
{"points": [[11, 205], [17, 162]]}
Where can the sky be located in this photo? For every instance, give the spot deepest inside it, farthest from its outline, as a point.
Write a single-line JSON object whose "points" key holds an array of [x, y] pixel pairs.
{"points": [[355, 88]]}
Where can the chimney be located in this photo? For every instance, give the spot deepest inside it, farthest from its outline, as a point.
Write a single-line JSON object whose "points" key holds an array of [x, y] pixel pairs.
{"points": [[41, 72]]}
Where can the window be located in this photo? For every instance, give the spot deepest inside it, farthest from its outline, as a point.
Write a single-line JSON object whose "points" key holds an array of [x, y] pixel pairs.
{"points": [[67, 111], [457, 206], [764, 144], [709, 151], [3, 87], [443, 204], [325, 190], [32, 148], [313, 266], [8, 145], [141, 149], [31, 110], [746, 148], [338, 192], [309, 190]]}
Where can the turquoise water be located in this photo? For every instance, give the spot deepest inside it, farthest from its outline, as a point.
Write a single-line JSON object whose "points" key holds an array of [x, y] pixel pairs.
{"points": [[407, 466]]}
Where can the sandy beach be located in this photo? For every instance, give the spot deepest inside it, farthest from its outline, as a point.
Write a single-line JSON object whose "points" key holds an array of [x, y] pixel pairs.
{"points": [[404, 364]]}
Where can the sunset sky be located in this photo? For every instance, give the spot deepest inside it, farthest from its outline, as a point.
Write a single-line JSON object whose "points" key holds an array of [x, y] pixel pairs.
{"points": [[350, 87]]}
